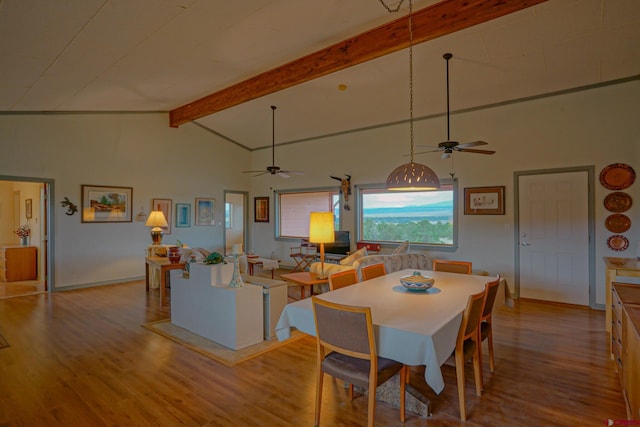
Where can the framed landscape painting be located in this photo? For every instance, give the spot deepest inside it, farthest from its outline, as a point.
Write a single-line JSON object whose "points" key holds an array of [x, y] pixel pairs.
{"points": [[101, 203], [205, 211]]}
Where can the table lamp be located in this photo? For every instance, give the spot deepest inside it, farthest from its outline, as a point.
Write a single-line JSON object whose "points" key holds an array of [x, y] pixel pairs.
{"points": [[321, 231], [156, 220]]}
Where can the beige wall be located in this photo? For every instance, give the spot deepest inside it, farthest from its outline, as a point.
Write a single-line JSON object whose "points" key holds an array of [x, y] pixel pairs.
{"points": [[130, 150], [595, 127]]}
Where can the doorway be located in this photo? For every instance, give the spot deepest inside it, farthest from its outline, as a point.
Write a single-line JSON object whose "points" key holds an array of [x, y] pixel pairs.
{"points": [[554, 235], [25, 202], [235, 220]]}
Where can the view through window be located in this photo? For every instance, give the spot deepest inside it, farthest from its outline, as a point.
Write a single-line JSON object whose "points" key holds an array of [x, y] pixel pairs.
{"points": [[422, 217]]}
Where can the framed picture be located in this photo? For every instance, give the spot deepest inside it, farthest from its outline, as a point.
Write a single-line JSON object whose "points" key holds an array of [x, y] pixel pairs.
{"points": [[101, 203], [183, 215], [166, 206], [484, 201], [205, 211], [28, 210], [261, 209]]}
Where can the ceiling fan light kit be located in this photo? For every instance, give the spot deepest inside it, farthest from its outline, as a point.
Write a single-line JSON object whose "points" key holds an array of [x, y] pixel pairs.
{"points": [[412, 176]]}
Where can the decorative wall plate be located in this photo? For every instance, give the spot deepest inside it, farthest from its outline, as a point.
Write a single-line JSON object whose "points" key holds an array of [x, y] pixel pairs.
{"points": [[617, 223], [617, 176], [618, 202], [618, 243]]}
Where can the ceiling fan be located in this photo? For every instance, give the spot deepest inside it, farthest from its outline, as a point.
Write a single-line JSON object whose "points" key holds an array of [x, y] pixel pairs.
{"points": [[273, 169], [448, 147]]}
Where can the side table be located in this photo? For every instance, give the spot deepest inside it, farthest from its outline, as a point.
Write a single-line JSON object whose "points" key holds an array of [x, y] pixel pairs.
{"points": [[302, 279], [164, 265]]}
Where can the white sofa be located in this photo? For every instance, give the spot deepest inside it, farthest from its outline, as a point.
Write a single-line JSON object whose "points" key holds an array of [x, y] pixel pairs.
{"points": [[417, 260]]}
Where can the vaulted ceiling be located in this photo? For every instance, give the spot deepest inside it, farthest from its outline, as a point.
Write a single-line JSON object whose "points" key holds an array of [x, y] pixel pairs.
{"points": [[165, 55]]}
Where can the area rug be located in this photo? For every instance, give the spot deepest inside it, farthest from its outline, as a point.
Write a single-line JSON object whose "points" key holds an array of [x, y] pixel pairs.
{"points": [[213, 350], [3, 342]]}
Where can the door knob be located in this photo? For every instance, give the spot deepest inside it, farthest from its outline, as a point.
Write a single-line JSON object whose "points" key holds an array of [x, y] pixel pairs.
{"points": [[526, 244]]}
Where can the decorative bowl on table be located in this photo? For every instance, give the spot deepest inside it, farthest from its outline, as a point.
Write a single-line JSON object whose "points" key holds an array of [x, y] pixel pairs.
{"points": [[417, 282]]}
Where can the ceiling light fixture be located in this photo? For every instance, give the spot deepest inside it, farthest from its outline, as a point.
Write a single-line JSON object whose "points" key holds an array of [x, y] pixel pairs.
{"points": [[412, 176]]}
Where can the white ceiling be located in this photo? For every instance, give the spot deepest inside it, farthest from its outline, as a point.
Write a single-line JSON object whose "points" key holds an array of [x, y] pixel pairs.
{"points": [[157, 55]]}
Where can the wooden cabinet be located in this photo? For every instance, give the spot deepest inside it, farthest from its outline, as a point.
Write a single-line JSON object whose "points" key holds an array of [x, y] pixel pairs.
{"points": [[625, 342], [18, 263]]}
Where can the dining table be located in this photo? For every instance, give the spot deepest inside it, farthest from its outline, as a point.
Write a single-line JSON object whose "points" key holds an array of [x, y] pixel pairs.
{"points": [[412, 327]]}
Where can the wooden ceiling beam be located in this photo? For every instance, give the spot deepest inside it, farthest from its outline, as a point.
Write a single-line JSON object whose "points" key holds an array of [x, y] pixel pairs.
{"points": [[434, 21]]}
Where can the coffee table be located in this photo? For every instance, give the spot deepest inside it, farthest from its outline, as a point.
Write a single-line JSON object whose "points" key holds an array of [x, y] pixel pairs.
{"points": [[302, 279]]}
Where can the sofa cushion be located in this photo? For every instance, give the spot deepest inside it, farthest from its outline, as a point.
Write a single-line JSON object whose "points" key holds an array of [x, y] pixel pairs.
{"points": [[354, 256], [403, 248]]}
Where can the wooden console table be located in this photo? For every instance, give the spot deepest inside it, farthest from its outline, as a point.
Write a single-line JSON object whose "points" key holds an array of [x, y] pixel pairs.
{"points": [[618, 267], [164, 265], [302, 279]]}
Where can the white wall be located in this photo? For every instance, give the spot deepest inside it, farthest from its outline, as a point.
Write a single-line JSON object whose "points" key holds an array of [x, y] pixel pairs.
{"points": [[129, 150], [595, 127]]}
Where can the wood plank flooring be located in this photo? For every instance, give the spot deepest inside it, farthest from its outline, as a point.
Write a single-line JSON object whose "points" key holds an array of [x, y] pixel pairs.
{"points": [[81, 358]]}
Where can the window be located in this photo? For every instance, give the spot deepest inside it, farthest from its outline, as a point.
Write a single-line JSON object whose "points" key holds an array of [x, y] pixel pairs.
{"points": [[422, 217], [293, 209]]}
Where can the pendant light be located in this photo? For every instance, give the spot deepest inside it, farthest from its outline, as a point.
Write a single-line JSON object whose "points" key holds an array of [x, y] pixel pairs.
{"points": [[412, 176]]}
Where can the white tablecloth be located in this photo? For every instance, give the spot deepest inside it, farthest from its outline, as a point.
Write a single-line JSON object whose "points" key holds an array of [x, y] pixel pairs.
{"points": [[412, 328]]}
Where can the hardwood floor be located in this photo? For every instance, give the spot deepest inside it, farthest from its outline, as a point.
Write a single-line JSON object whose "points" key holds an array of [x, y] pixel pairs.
{"points": [[81, 358]]}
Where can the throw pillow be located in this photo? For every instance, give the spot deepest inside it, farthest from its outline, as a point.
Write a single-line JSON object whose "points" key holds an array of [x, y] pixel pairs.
{"points": [[402, 249], [353, 257]]}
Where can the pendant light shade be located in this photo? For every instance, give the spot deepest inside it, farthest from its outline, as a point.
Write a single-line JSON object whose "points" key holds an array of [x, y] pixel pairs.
{"points": [[412, 176]]}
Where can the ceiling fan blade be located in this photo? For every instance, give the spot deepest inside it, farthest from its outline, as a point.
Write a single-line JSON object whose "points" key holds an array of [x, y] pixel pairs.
{"points": [[253, 171], [259, 173], [283, 174], [471, 150], [293, 172], [423, 152], [472, 144], [427, 146], [446, 155]]}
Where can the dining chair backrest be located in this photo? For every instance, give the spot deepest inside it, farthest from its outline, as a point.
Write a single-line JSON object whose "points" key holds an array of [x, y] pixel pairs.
{"points": [[491, 291], [450, 266], [471, 318], [373, 270], [486, 328], [346, 349], [342, 279], [345, 329], [468, 347]]}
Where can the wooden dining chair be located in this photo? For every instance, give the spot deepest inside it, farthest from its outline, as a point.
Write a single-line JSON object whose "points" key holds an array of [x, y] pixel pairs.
{"points": [[486, 330], [373, 270], [346, 349], [449, 266], [342, 279], [468, 347]]}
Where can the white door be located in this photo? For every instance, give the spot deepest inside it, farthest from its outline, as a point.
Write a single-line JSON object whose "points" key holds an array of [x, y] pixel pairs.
{"points": [[554, 237]]}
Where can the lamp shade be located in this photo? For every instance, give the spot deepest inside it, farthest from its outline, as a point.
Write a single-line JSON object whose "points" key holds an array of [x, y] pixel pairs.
{"points": [[321, 227], [413, 176], [156, 219]]}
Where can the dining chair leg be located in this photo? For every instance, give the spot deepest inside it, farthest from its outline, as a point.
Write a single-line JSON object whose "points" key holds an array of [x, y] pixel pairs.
{"points": [[460, 377], [490, 343], [319, 378], [372, 404], [403, 377], [477, 370]]}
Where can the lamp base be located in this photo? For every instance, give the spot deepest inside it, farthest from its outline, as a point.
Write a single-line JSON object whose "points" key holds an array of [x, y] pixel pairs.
{"points": [[156, 235]]}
